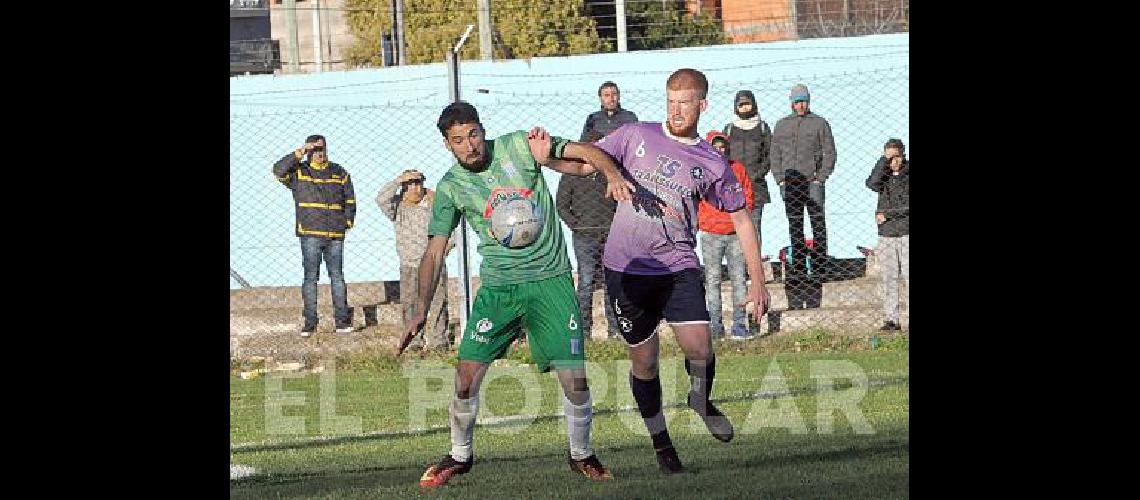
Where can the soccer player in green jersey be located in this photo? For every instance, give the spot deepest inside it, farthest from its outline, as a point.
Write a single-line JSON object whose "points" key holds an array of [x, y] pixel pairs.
{"points": [[529, 286]]}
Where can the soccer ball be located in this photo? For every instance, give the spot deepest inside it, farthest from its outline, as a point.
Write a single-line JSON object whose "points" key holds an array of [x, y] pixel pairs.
{"points": [[516, 223]]}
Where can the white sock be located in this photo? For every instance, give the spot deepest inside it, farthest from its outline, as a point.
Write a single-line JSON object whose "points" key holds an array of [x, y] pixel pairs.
{"points": [[579, 419], [463, 413]]}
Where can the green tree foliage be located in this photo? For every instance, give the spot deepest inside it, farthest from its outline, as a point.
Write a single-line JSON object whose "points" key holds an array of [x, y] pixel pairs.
{"points": [[666, 25], [522, 29]]}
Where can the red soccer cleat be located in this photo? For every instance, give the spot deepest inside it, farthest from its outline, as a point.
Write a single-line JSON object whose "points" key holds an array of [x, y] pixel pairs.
{"points": [[591, 468], [437, 475]]}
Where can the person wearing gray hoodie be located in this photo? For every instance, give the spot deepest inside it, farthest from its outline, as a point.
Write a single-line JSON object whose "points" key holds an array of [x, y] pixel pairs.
{"points": [[751, 141], [802, 158]]}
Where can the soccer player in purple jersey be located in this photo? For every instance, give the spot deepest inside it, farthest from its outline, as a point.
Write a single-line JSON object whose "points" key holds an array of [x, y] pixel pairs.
{"points": [[652, 269]]}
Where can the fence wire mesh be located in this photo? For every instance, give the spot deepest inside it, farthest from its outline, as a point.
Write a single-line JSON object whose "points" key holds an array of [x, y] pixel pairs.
{"points": [[375, 144]]}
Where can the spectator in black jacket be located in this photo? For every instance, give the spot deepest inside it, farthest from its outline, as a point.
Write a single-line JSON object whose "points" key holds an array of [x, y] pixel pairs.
{"points": [[891, 179], [611, 116], [751, 141], [325, 208], [583, 206]]}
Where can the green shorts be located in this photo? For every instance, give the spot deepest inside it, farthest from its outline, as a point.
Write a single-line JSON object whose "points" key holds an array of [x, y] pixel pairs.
{"points": [[547, 308]]}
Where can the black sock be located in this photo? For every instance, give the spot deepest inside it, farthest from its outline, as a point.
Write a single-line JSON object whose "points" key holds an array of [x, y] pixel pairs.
{"points": [[648, 396], [701, 375]]}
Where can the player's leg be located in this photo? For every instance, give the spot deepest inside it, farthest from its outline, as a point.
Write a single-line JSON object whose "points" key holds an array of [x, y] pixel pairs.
{"points": [[685, 313], [645, 383], [637, 305], [465, 407], [578, 406], [461, 417], [557, 341], [494, 322]]}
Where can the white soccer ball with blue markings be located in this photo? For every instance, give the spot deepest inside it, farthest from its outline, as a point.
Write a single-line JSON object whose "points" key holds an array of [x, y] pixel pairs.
{"points": [[516, 223]]}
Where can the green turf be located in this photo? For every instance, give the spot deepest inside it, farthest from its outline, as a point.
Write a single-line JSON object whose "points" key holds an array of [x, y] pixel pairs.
{"points": [[781, 449]]}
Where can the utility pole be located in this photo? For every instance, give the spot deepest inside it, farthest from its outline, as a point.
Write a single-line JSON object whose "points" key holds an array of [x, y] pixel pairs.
{"points": [[394, 19], [795, 20], [317, 36], [452, 60], [485, 47], [846, 16], [291, 27], [619, 5], [401, 55]]}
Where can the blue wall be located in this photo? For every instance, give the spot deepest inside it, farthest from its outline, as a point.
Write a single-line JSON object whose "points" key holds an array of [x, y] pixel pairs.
{"points": [[381, 121]]}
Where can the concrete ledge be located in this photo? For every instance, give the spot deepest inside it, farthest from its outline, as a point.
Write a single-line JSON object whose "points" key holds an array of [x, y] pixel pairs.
{"points": [[267, 320], [360, 293]]}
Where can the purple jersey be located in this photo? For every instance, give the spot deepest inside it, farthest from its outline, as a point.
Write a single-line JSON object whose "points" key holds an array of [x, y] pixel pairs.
{"points": [[655, 233]]}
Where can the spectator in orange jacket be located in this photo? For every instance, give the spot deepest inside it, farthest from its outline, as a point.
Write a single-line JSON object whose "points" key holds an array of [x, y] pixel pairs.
{"points": [[718, 242]]}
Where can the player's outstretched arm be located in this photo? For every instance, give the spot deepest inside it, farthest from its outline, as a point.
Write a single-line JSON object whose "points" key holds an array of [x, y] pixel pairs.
{"points": [[431, 264], [579, 158], [540, 143], [749, 243], [617, 187]]}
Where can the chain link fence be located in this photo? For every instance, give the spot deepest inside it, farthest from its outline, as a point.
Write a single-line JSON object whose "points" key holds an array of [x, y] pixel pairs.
{"points": [[376, 143]]}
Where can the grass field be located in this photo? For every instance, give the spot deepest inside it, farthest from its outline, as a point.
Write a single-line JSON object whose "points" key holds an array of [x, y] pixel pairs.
{"points": [[829, 421]]}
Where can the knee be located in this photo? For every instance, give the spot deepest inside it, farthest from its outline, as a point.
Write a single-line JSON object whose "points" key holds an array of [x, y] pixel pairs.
{"points": [[464, 390], [645, 370], [577, 391], [463, 387], [581, 385], [700, 353]]}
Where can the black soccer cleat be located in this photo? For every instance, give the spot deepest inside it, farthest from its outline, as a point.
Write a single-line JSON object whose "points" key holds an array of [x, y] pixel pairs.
{"points": [[668, 461], [715, 421]]}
